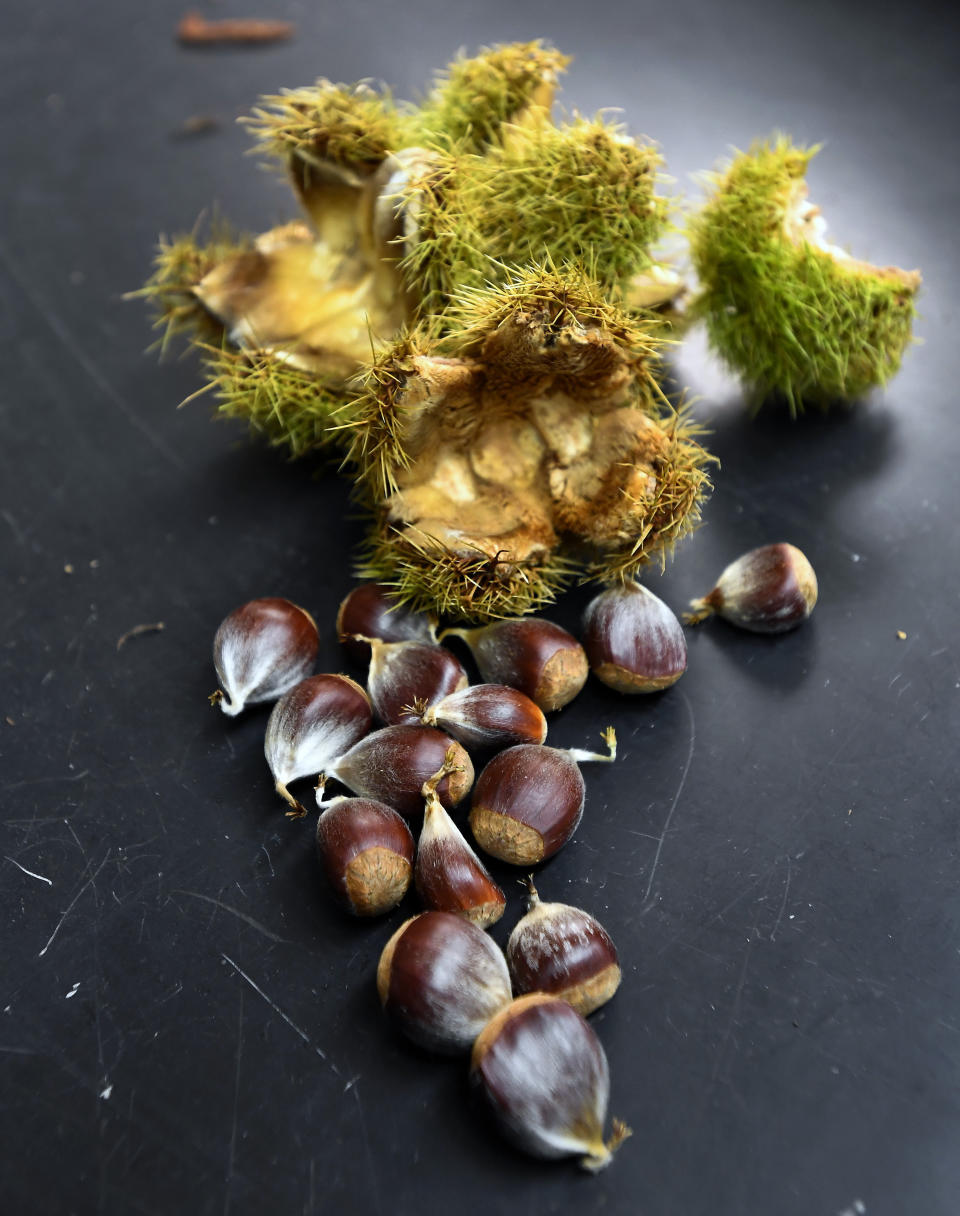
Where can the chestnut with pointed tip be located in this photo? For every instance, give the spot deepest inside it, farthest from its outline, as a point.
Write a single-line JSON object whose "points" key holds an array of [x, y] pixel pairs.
{"points": [[768, 590], [531, 654], [449, 876], [441, 980], [563, 950], [544, 1074], [317, 720], [488, 716], [260, 651], [391, 765], [528, 801], [366, 852], [369, 612], [404, 672], [634, 642]]}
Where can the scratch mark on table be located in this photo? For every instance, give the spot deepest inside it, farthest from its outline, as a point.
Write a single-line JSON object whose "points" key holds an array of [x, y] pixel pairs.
{"points": [[277, 1010], [19, 785], [783, 902], [676, 797], [371, 1161], [73, 902], [231, 1160], [75, 349], [218, 903], [26, 871]]}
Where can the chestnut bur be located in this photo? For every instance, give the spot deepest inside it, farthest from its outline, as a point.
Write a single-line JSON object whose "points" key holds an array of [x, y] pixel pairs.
{"points": [[317, 720], [486, 716], [533, 655], [368, 612], [449, 876], [402, 673], [260, 650], [441, 980], [366, 852], [768, 590], [391, 765], [529, 799], [564, 951], [544, 1075]]}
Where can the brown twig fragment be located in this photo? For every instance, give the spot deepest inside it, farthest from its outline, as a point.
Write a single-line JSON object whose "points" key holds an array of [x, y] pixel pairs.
{"points": [[155, 627], [195, 30]]}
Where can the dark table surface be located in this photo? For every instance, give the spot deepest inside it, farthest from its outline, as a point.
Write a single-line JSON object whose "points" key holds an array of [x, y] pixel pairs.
{"points": [[186, 1023]]}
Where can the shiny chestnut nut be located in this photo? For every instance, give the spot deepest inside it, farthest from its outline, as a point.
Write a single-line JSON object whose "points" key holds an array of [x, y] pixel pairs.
{"points": [[449, 876], [563, 950], [634, 642], [369, 612], [402, 673], [317, 720], [260, 651], [535, 656], [441, 980], [390, 765], [768, 590], [366, 852], [543, 1073], [528, 800], [487, 716]]}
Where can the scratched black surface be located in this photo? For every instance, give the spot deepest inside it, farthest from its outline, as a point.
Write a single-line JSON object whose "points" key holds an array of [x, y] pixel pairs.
{"points": [[186, 1025]]}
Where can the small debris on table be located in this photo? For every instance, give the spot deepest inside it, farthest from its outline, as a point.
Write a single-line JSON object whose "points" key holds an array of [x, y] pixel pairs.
{"points": [[196, 30], [137, 630]]}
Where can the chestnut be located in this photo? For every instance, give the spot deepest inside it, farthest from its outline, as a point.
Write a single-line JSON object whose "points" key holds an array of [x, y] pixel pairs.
{"points": [[533, 655], [768, 590], [634, 642], [563, 950], [528, 801], [404, 672], [543, 1073], [369, 612], [441, 980], [488, 716], [366, 852], [260, 651], [391, 765]]}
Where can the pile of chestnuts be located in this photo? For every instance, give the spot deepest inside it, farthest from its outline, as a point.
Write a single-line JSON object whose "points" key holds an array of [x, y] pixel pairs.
{"points": [[404, 747]]}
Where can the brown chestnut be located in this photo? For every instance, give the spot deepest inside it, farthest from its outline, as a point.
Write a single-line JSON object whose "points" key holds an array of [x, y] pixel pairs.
{"points": [[528, 801], [391, 765], [404, 672], [449, 876], [441, 980], [768, 590], [366, 852], [368, 611], [533, 655], [261, 650], [545, 1076], [563, 950], [634, 642], [311, 725], [488, 716]]}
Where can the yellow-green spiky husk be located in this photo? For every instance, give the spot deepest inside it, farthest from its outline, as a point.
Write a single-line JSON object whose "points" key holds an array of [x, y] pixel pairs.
{"points": [[473, 98], [788, 316], [347, 125], [581, 192], [676, 512], [179, 265], [289, 407], [458, 587]]}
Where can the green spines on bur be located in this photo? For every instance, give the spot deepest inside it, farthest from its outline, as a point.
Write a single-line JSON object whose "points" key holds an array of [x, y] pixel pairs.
{"points": [[584, 191], [179, 265], [474, 98], [791, 315], [292, 408], [351, 126]]}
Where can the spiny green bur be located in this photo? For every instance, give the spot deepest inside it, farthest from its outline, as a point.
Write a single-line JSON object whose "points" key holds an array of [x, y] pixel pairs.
{"points": [[793, 318]]}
